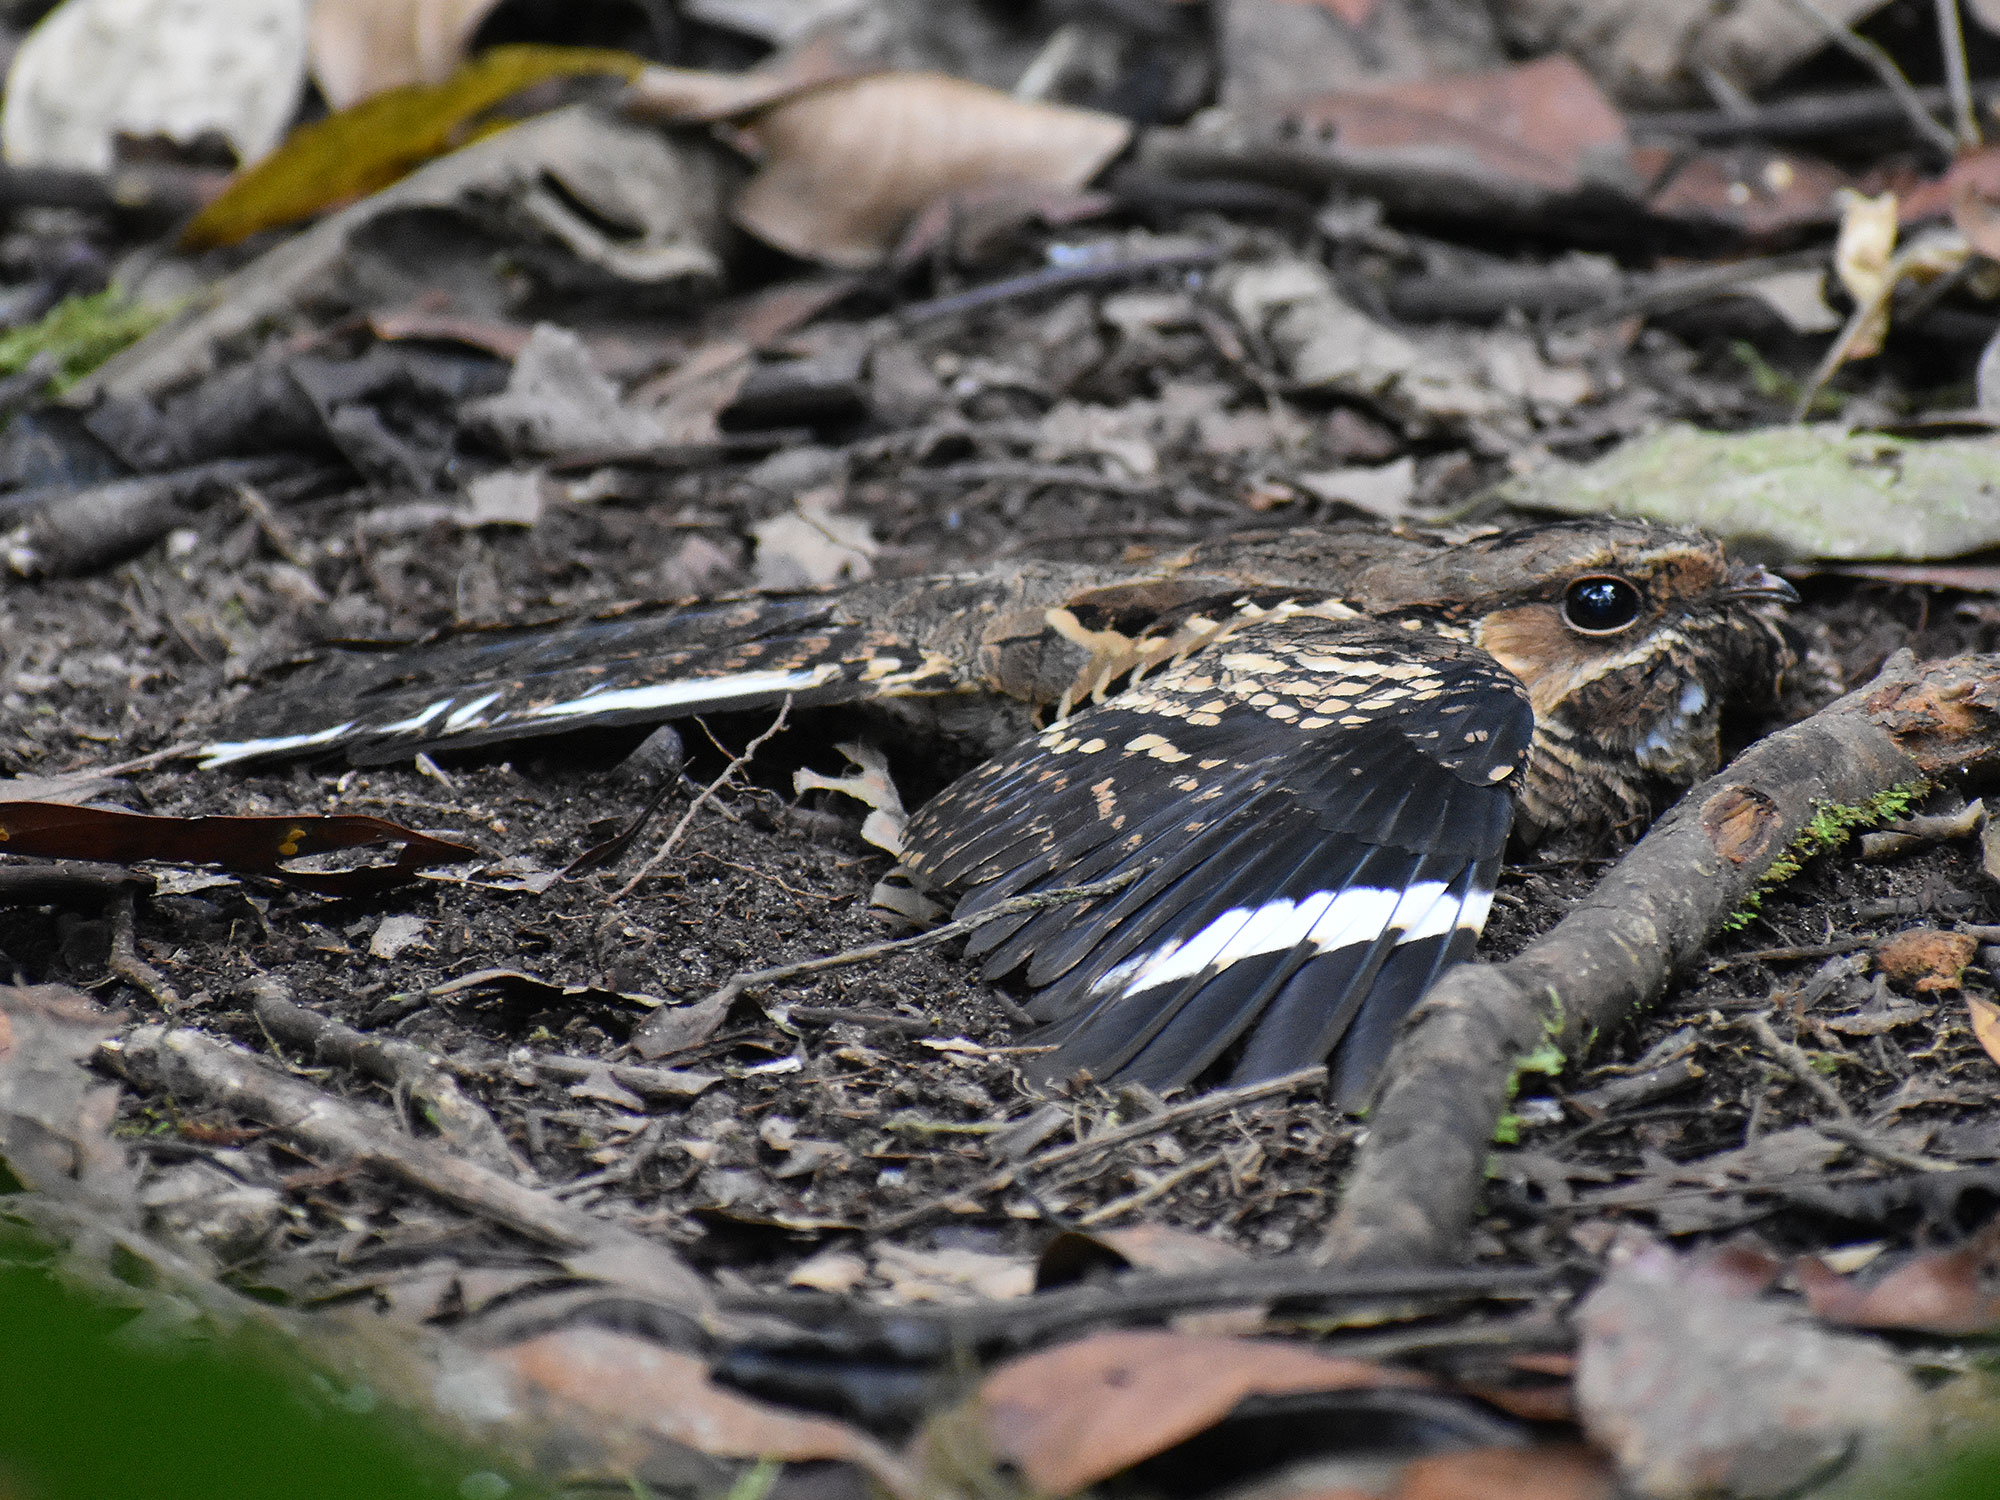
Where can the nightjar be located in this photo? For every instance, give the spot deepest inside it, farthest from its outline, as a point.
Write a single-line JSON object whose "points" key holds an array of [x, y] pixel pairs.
{"points": [[1305, 749]]}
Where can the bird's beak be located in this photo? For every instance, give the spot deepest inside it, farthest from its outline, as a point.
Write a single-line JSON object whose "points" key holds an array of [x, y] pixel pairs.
{"points": [[1759, 585]]}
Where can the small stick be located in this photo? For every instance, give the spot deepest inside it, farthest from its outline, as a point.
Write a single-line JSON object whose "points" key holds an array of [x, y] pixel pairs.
{"points": [[1795, 1062], [1884, 67], [1158, 1188], [1000, 471], [462, 1121], [707, 795], [196, 1067], [1056, 279], [125, 961], [1957, 76]]}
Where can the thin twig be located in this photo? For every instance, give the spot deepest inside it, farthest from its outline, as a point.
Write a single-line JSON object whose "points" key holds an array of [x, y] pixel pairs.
{"points": [[1002, 471], [1202, 1104], [1057, 279], [707, 795], [1159, 1187], [1865, 313], [1884, 67], [1014, 905], [125, 961], [1957, 76], [1870, 1144], [1795, 1062]]}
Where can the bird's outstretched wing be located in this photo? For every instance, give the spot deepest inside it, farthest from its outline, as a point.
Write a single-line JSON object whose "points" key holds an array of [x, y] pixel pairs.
{"points": [[1316, 810], [494, 686]]}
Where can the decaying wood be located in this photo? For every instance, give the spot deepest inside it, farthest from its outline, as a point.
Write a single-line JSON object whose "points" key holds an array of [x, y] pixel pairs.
{"points": [[414, 1073], [196, 1069], [1417, 1175]]}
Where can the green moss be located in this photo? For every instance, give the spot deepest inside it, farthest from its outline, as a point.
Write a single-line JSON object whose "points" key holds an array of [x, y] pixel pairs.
{"points": [[1545, 1058], [1831, 825], [79, 333]]}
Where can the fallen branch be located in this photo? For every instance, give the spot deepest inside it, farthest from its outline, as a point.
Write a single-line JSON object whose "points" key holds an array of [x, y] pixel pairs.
{"points": [[415, 1074], [194, 1068], [1417, 1175]]}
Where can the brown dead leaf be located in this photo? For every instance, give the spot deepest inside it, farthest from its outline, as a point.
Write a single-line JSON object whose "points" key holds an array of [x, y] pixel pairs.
{"points": [[1948, 1292], [633, 1383], [950, 1274], [849, 165], [1076, 1414], [1926, 959], [361, 47], [1076, 1254], [1755, 196], [676, 1028], [1541, 1473]]}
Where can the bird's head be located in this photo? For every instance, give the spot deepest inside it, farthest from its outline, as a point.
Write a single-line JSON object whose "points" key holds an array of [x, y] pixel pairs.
{"points": [[1631, 639]]}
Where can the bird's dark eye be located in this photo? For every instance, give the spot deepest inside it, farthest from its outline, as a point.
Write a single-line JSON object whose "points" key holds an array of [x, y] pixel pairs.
{"points": [[1600, 606]]}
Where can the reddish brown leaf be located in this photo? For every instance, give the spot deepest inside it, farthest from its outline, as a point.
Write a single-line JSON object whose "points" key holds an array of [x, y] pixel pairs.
{"points": [[1946, 1292], [1076, 1414], [1353, 12], [1757, 198], [249, 845], [1538, 124]]}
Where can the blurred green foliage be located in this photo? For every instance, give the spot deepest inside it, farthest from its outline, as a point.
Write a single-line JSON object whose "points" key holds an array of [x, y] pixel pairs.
{"points": [[79, 333], [90, 1413]]}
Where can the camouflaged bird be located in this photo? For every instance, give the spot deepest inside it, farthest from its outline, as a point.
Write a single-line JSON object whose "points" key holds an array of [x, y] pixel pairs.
{"points": [[1305, 748]]}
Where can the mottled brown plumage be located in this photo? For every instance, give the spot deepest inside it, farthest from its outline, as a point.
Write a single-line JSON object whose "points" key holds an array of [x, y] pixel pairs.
{"points": [[1307, 748]]}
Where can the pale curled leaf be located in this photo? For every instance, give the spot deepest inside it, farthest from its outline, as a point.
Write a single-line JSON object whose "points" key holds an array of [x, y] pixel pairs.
{"points": [[94, 70], [362, 47], [1861, 257], [1985, 1018], [868, 783], [847, 166], [55, 1117], [809, 546]]}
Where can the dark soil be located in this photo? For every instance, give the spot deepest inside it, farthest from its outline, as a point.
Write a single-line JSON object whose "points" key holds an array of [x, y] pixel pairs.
{"points": [[849, 1098]]}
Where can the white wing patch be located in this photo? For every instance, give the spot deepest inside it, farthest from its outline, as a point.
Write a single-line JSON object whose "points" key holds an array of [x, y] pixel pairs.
{"points": [[1326, 919], [228, 752], [677, 694]]}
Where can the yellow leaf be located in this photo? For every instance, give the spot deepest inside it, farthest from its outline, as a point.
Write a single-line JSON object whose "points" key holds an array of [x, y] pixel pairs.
{"points": [[361, 150], [1985, 1024]]}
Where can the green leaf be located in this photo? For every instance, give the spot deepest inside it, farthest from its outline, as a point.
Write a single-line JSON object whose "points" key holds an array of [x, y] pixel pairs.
{"points": [[81, 333], [367, 146]]}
